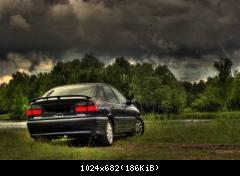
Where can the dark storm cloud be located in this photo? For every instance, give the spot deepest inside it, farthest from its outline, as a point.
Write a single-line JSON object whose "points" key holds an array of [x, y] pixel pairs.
{"points": [[183, 30]]}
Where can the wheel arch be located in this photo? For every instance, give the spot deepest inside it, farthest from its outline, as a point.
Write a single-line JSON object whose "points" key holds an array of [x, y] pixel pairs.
{"points": [[111, 118]]}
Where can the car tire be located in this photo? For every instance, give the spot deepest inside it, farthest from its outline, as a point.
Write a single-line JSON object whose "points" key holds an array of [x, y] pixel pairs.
{"points": [[139, 128], [107, 138]]}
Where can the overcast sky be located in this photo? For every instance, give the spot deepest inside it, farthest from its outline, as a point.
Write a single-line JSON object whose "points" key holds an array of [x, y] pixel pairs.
{"points": [[187, 35]]}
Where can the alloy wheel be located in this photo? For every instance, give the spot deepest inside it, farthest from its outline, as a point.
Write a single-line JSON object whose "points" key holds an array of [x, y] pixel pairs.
{"points": [[109, 133], [138, 128]]}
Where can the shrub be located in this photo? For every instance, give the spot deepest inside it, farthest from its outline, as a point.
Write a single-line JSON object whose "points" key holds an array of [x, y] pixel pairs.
{"points": [[19, 106]]}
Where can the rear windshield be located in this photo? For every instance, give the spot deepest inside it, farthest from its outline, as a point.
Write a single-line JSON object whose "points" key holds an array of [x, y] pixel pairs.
{"points": [[86, 90]]}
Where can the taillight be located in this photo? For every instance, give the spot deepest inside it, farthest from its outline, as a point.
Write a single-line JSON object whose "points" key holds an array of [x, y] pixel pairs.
{"points": [[34, 112], [84, 109]]}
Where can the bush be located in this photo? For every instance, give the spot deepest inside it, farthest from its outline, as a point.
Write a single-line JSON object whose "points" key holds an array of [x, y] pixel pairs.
{"points": [[209, 101], [188, 110], [19, 106]]}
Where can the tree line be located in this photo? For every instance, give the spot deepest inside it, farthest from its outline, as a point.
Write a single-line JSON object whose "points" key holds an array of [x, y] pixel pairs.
{"points": [[154, 89]]}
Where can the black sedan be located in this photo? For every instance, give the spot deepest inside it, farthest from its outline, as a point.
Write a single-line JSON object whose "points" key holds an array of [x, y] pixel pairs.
{"points": [[84, 110]]}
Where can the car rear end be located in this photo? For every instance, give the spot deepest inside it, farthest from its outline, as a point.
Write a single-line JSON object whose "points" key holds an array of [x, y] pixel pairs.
{"points": [[61, 114]]}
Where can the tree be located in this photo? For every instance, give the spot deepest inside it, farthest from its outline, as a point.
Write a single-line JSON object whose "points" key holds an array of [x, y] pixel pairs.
{"points": [[173, 99], [165, 74], [224, 67], [119, 75], [155, 90], [19, 105], [235, 93], [90, 61], [150, 93], [193, 90], [3, 102], [139, 76]]}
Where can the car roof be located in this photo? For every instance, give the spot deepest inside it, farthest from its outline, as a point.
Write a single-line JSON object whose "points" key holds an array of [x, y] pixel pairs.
{"points": [[90, 84]]}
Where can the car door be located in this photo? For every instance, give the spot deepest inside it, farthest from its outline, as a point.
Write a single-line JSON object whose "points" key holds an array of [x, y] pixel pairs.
{"points": [[117, 110], [130, 115]]}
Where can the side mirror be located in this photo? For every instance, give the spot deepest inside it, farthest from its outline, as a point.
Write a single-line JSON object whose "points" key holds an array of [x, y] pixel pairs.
{"points": [[130, 101]]}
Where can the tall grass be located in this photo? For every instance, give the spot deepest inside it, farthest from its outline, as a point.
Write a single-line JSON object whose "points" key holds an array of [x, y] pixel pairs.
{"points": [[219, 131], [194, 115]]}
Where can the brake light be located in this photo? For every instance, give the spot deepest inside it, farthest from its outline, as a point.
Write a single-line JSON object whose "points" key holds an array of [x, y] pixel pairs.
{"points": [[82, 109], [34, 112]]}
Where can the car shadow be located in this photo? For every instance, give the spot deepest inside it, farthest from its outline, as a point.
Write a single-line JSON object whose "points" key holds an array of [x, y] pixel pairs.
{"points": [[83, 142]]}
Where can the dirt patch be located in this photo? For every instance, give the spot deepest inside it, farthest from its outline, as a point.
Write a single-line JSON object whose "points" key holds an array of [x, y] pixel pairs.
{"points": [[206, 146], [228, 152], [219, 148]]}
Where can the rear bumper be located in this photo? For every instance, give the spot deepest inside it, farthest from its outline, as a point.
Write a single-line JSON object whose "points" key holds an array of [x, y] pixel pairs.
{"points": [[73, 127]]}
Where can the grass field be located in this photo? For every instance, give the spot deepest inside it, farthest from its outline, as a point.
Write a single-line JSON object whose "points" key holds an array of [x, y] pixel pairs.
{"points": [[194, 115], [219, 139]]}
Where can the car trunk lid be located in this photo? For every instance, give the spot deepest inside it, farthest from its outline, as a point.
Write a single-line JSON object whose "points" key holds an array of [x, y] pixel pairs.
{"points": [[60, 107]]}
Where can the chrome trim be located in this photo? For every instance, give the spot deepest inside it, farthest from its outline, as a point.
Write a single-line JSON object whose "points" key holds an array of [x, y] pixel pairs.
{"points": [[64, 119]]}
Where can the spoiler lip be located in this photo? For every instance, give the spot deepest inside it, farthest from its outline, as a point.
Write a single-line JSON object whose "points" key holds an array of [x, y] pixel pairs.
{"points": [[59, 97]]}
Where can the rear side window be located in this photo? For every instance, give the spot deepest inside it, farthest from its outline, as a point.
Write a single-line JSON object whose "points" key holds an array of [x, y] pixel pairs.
{"points": [[120, 97], [108, 95], [85, 90]]}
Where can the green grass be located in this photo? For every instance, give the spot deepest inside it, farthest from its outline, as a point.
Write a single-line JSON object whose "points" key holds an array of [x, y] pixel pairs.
{"points": [[219, 139], [194, 115], [4, 117]]}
